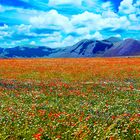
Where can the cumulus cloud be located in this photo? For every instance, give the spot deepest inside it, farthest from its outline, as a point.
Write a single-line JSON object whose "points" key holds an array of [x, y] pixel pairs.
{"points": [[67, 41], [82, 31], [98, 35], [87, 19], [51, 19], [131, 10], [96, 22], [133, 17], [107, 6], [68, 27], [127, 7]]}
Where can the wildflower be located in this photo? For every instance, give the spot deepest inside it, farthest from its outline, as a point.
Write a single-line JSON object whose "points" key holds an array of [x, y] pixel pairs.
{"points": [[132, 119], [87, 118], [40, 130], [57, 115], [131, 87], [58, 137], [137, 131], [113, 117], [37, 136], [126, 115], [41, 112], [111, 138]]}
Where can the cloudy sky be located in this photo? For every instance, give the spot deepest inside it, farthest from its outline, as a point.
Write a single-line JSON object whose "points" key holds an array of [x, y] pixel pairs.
{"points": [[60, 23]]}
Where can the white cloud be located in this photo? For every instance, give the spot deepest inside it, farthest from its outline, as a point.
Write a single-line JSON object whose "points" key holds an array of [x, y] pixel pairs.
{"points": [[1, 8], [70, 40], [107, 5], [87, 19], [23, 29], [116, 23], [79, 3], [131, 11], [5, 34], [62, 2], [6, 8], [55, 37], [51, 19], [133, 17], [83, 24], [118, 35], [82, 31], [109, 14], [4, 27], [67, 41], [97, 35], [32, 42], [127, 7], [134, 27], [96, 22]]}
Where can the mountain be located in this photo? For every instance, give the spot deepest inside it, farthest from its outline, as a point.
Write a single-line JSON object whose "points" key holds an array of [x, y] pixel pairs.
{"points": [[111, 47], [128, 47], [85, 48], [27, 52], [114, 39]]}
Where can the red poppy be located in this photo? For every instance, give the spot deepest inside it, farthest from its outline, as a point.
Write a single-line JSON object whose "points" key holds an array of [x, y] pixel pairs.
{"points": [[37, 136]]}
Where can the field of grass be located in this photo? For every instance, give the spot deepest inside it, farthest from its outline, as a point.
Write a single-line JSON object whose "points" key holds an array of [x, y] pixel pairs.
{"points": [[70, 99]]}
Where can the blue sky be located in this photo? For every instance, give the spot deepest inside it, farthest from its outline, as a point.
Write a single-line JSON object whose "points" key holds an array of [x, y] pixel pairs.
{"points": [[60, 23]]}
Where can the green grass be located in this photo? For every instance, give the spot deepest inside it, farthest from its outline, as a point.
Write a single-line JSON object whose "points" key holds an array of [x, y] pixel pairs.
{"points": [[69, 111]]}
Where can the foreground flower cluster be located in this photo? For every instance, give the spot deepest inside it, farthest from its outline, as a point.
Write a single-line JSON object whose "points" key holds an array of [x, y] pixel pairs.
{"points": [[80, 99]]}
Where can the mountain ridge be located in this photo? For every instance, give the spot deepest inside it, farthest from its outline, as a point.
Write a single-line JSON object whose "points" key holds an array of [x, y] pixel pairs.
{"points": [[111, 47]]}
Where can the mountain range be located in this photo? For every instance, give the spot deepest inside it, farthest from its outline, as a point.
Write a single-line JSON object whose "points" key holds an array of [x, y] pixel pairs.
{"points": [[111, 47]]}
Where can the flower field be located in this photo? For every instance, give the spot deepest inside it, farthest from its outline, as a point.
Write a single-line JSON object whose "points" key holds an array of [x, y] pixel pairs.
{"points": [[70, 99]]}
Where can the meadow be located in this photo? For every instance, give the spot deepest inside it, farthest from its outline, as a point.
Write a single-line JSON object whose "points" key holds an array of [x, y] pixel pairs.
{"points": [[70, 99]]}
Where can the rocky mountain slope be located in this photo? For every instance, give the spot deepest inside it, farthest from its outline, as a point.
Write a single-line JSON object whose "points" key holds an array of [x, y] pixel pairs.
{"points": [[111, 47]]}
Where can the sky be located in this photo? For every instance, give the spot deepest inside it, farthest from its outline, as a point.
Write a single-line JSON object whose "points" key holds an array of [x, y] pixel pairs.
{"points": [[61, 23]]}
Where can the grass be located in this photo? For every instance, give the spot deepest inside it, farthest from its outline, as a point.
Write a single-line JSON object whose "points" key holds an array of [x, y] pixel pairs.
{"points": [[70, 99]]}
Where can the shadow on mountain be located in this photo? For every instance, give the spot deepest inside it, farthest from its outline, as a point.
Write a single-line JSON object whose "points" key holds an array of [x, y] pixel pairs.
{"points": [[111, 47]]}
